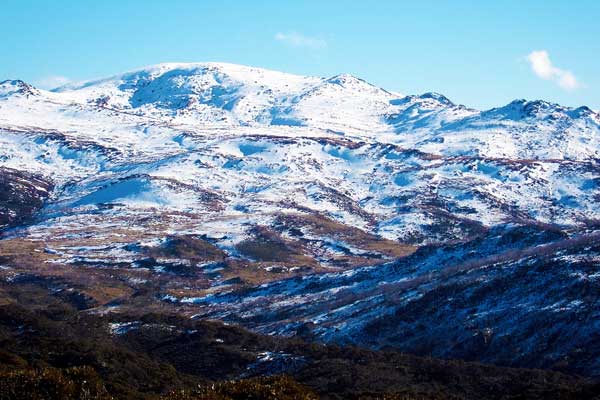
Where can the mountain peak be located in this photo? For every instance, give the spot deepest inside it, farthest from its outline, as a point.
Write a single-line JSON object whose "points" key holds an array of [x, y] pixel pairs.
{"points": [[436, 96], [522, 108], [350, 81], [429, 98], [148, 73], [16, 86], [344, 79]]}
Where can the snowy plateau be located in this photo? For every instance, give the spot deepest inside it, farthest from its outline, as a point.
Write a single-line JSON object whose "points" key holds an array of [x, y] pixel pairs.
{"points": [[325, 208]]}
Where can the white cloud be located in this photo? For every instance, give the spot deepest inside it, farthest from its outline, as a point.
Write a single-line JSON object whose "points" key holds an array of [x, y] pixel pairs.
{"points": [[541, 65], [52, 82], [298, 40]]}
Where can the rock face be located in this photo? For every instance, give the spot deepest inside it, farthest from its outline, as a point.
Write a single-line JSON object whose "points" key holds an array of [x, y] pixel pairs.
{"points": [[322, 207], [21, 195]]}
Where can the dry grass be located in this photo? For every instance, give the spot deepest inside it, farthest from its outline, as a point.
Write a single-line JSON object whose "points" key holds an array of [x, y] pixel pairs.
{"points": [[267, 255], [323, 226]]}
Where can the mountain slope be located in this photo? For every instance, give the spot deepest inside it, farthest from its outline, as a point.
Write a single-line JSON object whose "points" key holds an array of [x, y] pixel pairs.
{"points": [[323, 207]]}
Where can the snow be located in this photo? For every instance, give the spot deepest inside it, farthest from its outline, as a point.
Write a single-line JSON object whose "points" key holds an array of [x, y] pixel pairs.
{"points": [[120, 328], [218, 149], [206, 139]]}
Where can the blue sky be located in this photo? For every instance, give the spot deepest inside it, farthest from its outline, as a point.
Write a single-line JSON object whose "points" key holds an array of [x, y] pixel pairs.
{"points": [[480, 55]]}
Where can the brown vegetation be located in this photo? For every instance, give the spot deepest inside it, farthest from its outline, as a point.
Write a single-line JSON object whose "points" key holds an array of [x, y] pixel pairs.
{"points": [[51, 350]]}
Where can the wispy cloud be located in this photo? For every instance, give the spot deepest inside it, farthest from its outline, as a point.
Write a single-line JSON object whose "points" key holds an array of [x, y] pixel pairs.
{"points": [[541, 65], [51, 82], [298, 40]]}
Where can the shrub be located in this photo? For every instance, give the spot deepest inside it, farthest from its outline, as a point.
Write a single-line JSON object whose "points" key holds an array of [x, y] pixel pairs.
{"points": [[78, 383], [263, 388]]}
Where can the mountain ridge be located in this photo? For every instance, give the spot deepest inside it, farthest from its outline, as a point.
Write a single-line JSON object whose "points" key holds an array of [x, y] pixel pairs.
{"points": [[325, 208], [155, 70]]}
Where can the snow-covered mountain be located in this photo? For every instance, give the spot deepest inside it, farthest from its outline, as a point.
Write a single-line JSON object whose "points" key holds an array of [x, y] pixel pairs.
{"points": [[297, 204]]}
